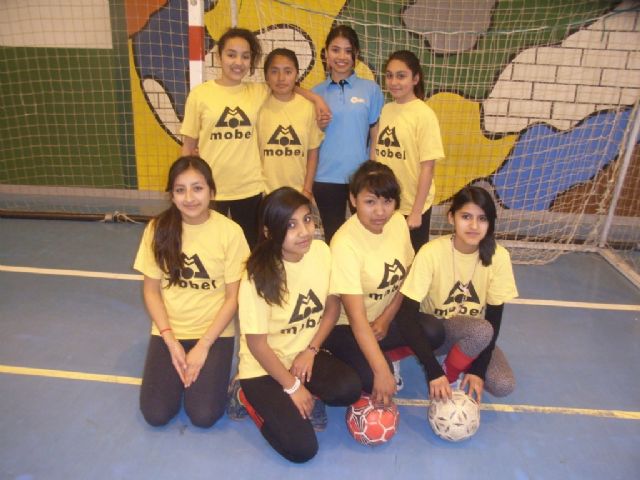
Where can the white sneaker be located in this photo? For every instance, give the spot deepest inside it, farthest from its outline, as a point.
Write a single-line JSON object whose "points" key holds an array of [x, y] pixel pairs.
{"points": [[397, 376]]}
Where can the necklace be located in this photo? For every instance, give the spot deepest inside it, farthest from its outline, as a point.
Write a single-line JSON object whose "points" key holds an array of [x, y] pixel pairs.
{"points": [[464, 287]]}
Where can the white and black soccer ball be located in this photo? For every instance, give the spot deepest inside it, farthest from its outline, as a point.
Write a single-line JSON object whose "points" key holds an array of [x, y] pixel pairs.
{"points": [[455, 419]]}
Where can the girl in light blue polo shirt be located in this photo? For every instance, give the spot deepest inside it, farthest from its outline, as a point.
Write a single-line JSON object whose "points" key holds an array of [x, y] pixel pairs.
{"points": [[355, 104]]}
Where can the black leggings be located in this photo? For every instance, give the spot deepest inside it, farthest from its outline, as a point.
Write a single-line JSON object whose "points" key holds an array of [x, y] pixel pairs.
{"points": [[342, 343], [331, 199], [245, 213], [287, 432], [162, 390]]}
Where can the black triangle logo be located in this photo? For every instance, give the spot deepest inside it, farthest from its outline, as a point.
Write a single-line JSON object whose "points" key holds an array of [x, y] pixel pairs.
{"points": [[284, 136], [305, 306], [388, 138], [233, 118], [393, 273], [193, 268]]}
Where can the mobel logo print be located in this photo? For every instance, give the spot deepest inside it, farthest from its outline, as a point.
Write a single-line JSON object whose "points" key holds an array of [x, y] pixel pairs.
{"points": [[388, 145], [232, 118], [456, 301], [391, 279], [303, 313], [387, 137], [284, 140], [194, 270]]}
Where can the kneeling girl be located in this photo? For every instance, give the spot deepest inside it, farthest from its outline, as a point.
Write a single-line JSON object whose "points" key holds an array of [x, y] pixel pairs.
{"points": [[462, 280], [285, 316]]}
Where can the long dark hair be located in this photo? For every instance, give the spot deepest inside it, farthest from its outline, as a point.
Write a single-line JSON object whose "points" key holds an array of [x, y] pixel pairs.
{"points": [[480, 197], [410, 60], [378, 178], [264, 265], [254, 45], [167, 236]]}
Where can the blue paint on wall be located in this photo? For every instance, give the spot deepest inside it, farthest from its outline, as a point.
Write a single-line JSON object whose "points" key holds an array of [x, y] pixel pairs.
{"points": [[546, 162]]}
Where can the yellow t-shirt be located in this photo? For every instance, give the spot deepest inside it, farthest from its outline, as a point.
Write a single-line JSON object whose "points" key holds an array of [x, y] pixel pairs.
{"points": [[223, 119], [432, 282], [370, 265], [286, 131], [408, 135], [215, 252], [290, 327]]}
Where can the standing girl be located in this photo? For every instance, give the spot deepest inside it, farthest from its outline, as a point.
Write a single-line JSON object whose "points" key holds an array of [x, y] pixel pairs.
{"points": [[192, 260], [285, 316], [288, 134], [409, 142], [371, 255], [462, 280], [219, 125], [350, 136]]}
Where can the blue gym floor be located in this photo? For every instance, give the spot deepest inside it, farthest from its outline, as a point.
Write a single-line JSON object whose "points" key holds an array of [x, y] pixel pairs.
{"points": [[72, 347]]}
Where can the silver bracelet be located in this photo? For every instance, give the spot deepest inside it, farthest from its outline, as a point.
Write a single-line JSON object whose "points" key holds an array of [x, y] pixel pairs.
{"points": [[294, 388]]}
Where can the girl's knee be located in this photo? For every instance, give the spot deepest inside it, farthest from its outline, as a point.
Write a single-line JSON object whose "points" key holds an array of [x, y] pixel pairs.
{"points": [[502, 387], [345, 392], [205, 417], [483, 332], [302, 451], [433, 329], [157, 416]]}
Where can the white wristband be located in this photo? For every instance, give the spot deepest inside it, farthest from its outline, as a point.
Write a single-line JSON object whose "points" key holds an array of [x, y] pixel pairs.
{"points": [[294, 388]]}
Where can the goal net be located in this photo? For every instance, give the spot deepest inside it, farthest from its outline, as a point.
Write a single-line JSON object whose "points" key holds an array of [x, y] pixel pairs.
{"points": [[537, 101]]}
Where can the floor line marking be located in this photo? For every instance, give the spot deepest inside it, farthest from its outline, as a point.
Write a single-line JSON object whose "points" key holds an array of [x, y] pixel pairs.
{"points": [[122, 380], [566, 304], [138, 277], [71, 273], [495, 407], [70, 375]]}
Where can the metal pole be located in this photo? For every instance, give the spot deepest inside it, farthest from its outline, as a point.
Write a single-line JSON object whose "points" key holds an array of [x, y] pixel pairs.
{"points": [[234, 13], [196, 42], [632, 139]]}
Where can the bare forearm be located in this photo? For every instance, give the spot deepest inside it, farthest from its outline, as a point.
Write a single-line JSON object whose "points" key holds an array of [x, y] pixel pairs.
{"points": [[312, 167], [354, 305], [189, 146], [263, 353], [373, 139], [329, 319], [424, 184]]}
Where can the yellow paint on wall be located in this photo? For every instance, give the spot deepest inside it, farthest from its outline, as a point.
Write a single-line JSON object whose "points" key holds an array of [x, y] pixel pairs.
{"points": [[469, 153], [155, 148]]}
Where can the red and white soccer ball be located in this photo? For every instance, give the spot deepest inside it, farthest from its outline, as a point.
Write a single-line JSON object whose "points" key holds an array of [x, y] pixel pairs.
{"points": [[456, 419], [371, 425]]}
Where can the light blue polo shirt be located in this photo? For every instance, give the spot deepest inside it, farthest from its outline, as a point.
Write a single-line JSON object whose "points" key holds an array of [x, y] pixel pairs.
{"points": [[355, 105]]}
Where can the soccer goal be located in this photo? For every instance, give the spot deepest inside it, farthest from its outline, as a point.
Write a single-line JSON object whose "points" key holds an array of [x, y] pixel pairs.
{"points": [[537, 101]]}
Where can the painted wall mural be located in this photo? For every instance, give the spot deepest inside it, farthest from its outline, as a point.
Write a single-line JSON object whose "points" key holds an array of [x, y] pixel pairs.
{"points": [[531, 111], [518, 99]]}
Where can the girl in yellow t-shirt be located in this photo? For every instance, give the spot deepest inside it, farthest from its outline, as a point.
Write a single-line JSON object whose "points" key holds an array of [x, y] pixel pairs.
{"points": [[462, 281], [409, 142], [371, 255], [288, 134], [192, 260], [219, 125], [285, 315]]}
